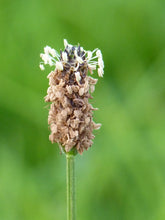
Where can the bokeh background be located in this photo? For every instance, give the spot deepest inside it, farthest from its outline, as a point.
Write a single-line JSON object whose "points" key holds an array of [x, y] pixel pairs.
{"points": [[122, 177]]}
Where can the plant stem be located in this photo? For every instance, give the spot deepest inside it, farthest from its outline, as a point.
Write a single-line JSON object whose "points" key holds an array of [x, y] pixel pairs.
{"points": [[70, 187]]}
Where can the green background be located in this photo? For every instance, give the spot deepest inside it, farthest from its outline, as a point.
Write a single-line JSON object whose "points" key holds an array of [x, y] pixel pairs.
{"points": [[122, 177]]}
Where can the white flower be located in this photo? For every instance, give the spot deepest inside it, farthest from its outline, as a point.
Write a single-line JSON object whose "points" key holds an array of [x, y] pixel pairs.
{"points": [[78, 77], [41, 66], [59, 65]]}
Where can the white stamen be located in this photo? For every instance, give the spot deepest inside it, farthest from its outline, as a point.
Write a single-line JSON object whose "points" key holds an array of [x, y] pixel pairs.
{"points": [[50, 51], [89, 55], [99, 54], [76, 68], [51, 57], [93, 62], [41, 66], [75, 53], [79, 59], [64, 56], [91, 66], [59, 65], [65, 43], [100, 63], [47, 49], [78, 77], [45, 58], [53, 52], [94, 57], [50, 62], [41, 55], [100, 72]]}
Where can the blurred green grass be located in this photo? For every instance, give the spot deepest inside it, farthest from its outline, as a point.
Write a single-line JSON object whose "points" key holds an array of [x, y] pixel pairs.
{"points": [[122, 176]]}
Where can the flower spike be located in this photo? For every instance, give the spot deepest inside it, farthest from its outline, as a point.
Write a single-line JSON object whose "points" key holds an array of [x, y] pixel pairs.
{"points": [[71, 115]]}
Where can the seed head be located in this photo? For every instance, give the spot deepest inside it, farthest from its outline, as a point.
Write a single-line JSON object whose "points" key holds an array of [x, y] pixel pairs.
{"points": [[71, 115]]}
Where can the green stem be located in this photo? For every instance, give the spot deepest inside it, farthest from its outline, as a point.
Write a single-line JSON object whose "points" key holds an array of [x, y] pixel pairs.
{"points": [[70, 187]]}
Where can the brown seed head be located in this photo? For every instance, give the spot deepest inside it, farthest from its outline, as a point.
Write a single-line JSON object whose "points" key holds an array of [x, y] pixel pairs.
{"points": [[70, 115]]}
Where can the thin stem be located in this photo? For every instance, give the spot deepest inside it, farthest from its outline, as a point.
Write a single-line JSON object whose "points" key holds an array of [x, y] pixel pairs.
{"points": [[70, 187]]}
